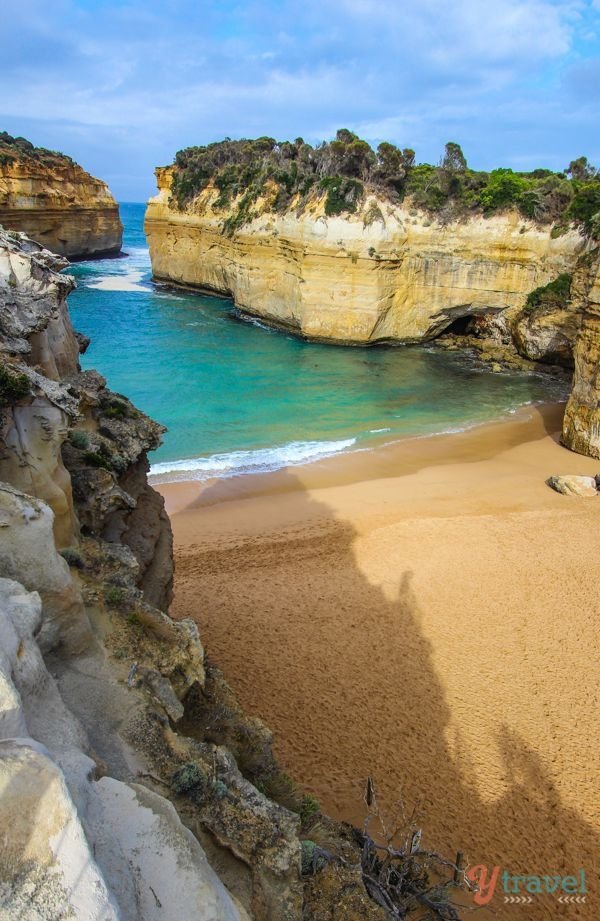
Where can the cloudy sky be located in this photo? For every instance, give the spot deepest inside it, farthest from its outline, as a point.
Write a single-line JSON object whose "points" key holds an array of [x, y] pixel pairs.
{"points": [[121, 86]]}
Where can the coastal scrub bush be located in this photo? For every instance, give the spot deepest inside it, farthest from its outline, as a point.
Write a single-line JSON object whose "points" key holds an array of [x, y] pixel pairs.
{"points": [[79, 439], [341, 194], [551, 296], [190, 780], [73, 557], [219, 789], [284, 174], [503, 188], [113, 596], [19, 148], [309, 808], [585, 206], [14, 386], [313, 858], [94, 459]]}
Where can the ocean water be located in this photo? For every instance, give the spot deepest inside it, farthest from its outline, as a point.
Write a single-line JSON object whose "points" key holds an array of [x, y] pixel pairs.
{"points": [[237, 397]]}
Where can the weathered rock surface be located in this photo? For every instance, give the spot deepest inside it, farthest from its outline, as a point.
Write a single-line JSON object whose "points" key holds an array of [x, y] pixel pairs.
{"points": [[57, 203], [79, 847], [106, 474], [581, 427], [354, 279], [27, 553], [571, 485]]}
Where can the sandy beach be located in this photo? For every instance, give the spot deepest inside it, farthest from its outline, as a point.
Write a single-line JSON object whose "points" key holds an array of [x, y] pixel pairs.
{"points": [[426, 613]]}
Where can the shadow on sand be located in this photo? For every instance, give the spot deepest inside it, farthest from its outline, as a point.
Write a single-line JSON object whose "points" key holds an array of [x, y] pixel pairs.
{"points": [[341, 669]]}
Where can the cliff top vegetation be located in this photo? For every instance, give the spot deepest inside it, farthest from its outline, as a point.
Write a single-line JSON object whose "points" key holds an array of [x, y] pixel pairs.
{"points": [[346, 168], [17, 149]]}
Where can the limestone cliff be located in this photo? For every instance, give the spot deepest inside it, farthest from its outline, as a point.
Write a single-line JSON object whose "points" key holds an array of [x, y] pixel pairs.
{"points": [[64, 434], [581, 427], [384, 273], [56, 202]]}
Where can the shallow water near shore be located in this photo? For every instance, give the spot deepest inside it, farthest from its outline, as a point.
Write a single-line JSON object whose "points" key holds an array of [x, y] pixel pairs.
{"points": [[239, 398]]}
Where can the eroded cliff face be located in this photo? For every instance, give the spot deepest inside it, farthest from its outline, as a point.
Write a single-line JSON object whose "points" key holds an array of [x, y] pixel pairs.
{"points": [[67, 439], [581, 427], [385, 273], [58, 204]]}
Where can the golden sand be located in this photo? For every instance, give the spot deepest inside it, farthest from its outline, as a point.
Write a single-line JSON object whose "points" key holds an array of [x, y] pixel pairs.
{"points": [[428, 614]]}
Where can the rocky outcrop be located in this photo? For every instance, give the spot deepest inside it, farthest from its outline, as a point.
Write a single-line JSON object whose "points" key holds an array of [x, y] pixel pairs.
{"points": [[581, 427], [81, 845], [571, 485], [56, 202], [66, 438], [385, 273]]}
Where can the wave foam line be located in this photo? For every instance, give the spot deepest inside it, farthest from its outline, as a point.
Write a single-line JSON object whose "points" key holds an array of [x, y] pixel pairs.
{"points": [[123, 282], [236, 463]]}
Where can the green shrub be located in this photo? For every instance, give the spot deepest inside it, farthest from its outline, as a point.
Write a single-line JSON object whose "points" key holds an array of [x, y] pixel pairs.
{"points": [[113, 596], [219, 789], [342, 195], [116, 409], [94, 459], [309, 808], [243, 171], [312, 857], [73, 557], [191, 781], [585, 207], [79, 439], [14, 386], [503, 188], [551, 296]]}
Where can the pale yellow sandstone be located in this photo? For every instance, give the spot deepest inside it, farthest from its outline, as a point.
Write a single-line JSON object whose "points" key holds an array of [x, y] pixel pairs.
{"points": [[402, 276], [61, 206]]}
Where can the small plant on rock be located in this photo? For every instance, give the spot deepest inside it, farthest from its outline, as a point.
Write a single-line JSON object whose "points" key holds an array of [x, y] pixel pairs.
{"points": [[14, 386], [73, 557], [309, 808], [79, 439], [191, 781], [113, 596]]}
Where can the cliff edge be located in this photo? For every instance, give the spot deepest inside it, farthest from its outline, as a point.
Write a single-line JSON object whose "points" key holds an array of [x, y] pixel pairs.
{"points": [[340, 243], [48, 196]]}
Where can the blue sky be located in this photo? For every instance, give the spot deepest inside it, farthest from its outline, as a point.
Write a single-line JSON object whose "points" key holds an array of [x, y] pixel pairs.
{"points": [[121, 86]]}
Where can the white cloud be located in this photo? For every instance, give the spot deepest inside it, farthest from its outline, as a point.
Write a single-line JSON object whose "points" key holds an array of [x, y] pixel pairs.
{"points": [[140, 80]]}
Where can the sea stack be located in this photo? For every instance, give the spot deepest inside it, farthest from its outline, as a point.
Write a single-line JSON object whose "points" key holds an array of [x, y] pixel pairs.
{"points": [[342, 244], [56, 202]]}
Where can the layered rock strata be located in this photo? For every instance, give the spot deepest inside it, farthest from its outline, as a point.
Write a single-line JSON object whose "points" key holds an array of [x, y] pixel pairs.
{"points": [[386, 273], [67, 435], [581, 427], [57, 203]]}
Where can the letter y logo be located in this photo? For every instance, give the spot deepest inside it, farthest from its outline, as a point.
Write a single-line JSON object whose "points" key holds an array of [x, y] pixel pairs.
{"points": [[485, 883]]}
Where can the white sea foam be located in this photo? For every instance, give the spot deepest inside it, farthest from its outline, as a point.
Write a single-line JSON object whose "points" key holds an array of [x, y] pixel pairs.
{"points": [[124, 274], [236, 463], [128, 282]]}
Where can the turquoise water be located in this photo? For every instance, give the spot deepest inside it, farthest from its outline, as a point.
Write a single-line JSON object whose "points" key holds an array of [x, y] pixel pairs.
{"points": [[237, 397]]}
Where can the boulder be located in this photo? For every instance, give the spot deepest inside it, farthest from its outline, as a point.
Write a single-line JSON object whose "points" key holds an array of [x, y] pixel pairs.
{"points": [[571, 485]]}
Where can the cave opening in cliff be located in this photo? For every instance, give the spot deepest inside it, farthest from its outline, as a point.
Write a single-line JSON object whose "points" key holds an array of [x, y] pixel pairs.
{"points": [[459, 326]]}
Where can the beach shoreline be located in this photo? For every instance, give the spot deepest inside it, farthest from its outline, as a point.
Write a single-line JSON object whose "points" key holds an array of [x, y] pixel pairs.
{"points": [[426, 614], [388, 458]]}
